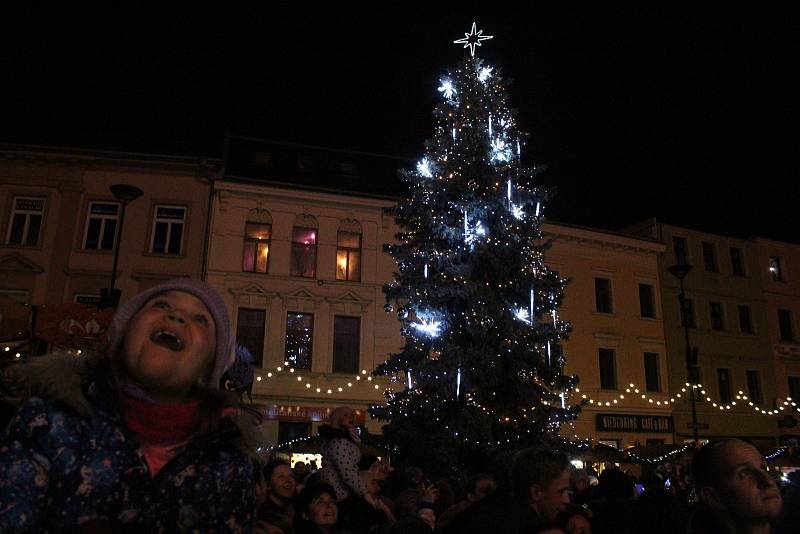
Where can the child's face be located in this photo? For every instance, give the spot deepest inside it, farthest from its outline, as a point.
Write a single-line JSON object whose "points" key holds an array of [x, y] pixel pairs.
{"points": [[170, 345]]}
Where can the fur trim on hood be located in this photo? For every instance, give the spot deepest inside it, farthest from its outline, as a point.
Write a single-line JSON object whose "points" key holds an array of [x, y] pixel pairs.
{"points": [[63, 378], [59, 377]]}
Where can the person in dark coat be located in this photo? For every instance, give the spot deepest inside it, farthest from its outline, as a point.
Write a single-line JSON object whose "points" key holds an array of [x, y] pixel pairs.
{"points": [[540, 493], [138, 437]]}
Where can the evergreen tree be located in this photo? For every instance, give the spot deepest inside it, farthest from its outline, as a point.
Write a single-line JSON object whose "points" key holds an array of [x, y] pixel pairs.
{"points": [[480, 373]]}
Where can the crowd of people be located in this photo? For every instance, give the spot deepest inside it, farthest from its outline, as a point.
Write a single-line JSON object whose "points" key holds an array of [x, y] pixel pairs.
{"points": [[140, 438]]}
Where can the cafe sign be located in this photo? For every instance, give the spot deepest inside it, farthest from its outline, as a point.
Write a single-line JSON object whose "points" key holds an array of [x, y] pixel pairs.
{"points": [[617, 422]]}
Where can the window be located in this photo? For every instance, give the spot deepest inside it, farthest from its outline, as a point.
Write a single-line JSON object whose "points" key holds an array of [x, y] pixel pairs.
{"points": [[602, 295], [754, 386], [647, 301], [250, 332], [26, 221], [168, 230], [695, 377], [717, 316], [346, 344], [709, 258], [608, 369], [794, 387], [679, 248], [775, 268], [348, 256], [785, 325], [724, 384], [304, 252], [651, 374], [737, 261], [745, 321], [101, 226], [299, 340], [255, 258], [688, 314], [609, 442], [290, 430]]}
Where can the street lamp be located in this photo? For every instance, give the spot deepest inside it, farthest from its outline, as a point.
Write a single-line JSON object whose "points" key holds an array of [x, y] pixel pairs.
{"points": [[125, 194], [680, 271]]}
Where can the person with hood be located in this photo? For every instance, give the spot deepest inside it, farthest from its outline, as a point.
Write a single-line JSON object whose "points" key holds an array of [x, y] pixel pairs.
{"points": [[341, 454], [137, 437]]}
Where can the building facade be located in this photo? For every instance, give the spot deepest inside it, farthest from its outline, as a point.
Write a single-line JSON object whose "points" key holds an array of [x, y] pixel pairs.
{"points": [[727, 315], [617, 346], [302, 272], [60, 222], [778, 269]]}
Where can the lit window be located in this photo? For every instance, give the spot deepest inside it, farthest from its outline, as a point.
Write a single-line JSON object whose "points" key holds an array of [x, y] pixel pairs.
{"points": [[256, 247], [775, 268], [26, 221], [304, 252], [168, 230], [348, 256], [101, 226]]}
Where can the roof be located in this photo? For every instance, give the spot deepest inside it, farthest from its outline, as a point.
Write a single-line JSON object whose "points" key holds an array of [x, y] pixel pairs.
{"points": [[313, 167]]}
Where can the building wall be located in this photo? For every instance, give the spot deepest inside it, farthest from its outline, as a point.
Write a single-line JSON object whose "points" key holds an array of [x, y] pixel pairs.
{"points": [[58, 267], [729, 348], [782, 292], [277, 293], [582, 255]]}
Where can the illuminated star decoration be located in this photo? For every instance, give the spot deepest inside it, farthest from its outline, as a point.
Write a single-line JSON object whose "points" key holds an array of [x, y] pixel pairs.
{"points": [[472, 39]]}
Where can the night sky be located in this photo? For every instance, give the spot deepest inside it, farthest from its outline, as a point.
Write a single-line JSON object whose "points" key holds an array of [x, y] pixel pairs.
{"points": [[691, 118]]}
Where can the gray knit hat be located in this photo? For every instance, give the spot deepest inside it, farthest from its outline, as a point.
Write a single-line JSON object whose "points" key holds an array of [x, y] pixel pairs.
{"points": [[223, 356]]}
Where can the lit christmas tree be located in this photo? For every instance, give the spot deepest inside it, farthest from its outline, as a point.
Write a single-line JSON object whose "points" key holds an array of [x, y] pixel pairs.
{"points": [[480, 374]]}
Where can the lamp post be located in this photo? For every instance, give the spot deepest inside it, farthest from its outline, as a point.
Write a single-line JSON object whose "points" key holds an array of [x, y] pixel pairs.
{"points": [[125, 194], [680, 271]]}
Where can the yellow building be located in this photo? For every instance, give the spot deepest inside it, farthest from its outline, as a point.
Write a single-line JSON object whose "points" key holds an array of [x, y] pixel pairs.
{"points": [[778, 268], [728, 324], [59, 221], [617, 346], [302, 270]]}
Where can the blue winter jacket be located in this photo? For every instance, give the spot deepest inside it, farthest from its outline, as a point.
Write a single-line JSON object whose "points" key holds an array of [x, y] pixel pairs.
{"points": [[60, 470]]}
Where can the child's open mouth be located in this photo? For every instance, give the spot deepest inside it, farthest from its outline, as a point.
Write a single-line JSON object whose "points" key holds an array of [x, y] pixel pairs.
{"points": [[167, 339]]}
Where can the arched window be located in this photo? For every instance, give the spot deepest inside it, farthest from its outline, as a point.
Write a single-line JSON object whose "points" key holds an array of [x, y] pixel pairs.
{"points": [[257, 237], [304, 247], [348, 251]]}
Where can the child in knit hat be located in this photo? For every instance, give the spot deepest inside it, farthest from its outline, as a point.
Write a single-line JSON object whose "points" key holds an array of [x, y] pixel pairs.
{"points": [[138, 437]]}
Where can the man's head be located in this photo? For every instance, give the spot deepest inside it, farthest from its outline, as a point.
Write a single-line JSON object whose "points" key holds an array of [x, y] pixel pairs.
{"points": [[729, 476], [480, 486], [279, 481], [542, 477]]}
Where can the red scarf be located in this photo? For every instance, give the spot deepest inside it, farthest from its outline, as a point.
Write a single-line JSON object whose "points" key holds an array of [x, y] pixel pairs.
{"points": [[160, 428]]}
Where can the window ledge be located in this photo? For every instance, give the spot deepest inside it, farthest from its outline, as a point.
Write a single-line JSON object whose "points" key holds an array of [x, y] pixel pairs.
{"points": [[163, 255]]}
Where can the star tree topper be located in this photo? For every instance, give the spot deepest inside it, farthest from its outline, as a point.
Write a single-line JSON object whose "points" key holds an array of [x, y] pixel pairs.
{"points": [[473, 39]]}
